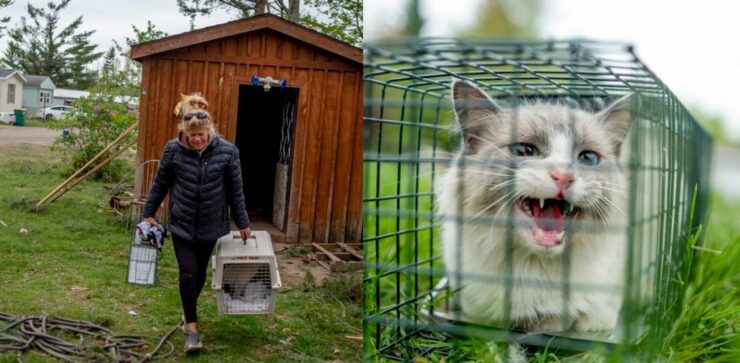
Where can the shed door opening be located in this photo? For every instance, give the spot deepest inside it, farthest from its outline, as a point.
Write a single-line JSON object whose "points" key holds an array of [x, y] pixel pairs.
{"points": [[264, 136]]}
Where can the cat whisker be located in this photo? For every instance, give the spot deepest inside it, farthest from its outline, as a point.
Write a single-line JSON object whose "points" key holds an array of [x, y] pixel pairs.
{"points": [[491, 205], [615, 190], [602, 203], [501, 186], [504, 207], [599, 211], [498, 164], [484, 172], [614, 187], [613, 206]]}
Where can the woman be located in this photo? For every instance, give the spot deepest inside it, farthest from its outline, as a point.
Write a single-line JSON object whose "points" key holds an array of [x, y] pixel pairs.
{"points": [[202, 173]]}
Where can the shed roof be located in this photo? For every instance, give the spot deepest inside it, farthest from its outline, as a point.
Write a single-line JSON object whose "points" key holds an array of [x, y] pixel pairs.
{"points": [[264, 21], [6, 73], [35, 81]]}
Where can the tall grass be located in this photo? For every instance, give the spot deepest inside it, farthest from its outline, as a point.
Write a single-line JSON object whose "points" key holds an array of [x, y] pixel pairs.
{"points": [[709, 326]]}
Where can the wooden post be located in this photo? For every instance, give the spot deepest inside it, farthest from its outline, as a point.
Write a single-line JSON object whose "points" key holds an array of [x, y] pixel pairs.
{"points": [[103, 163], [96, 157]]}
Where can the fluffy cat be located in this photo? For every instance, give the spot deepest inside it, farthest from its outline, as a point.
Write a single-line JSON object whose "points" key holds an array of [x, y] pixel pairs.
{"points": [[550, 175]]}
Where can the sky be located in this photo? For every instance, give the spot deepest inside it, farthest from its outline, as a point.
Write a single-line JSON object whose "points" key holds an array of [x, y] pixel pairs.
{"points": [[112, 19], [691, 45]]}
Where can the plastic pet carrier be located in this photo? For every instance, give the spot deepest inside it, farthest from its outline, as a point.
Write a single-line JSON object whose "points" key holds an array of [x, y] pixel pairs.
{"points": [[245, 274]]}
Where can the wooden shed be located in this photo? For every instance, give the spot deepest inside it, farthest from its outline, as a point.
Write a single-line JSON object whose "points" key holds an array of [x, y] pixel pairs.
{"points": [[301, 146]]}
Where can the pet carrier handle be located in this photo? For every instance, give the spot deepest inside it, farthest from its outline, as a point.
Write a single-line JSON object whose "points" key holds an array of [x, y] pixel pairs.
{"points": [[251, 236]]}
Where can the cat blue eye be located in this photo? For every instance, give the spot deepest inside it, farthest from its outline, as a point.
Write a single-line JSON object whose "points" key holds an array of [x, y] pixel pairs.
{"points": [[588, 157], [524, 149]]}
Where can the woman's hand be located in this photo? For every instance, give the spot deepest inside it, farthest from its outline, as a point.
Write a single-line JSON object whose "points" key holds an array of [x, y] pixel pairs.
{"points": [[245, 233], [151, 221]]}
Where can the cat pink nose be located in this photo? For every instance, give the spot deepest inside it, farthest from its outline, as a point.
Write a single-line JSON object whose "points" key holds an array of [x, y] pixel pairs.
{"points": [[562, 179]]}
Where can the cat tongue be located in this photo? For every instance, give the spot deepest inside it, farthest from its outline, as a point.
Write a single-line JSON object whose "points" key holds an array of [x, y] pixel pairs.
{"points": [[549, 218]]}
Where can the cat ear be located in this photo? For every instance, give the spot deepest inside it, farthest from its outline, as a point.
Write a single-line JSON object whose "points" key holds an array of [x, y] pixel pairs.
{"points": [[616, 118], [475, 112]]}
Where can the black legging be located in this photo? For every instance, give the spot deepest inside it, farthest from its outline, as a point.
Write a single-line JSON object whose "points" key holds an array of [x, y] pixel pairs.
{"points": [[192, 257]]}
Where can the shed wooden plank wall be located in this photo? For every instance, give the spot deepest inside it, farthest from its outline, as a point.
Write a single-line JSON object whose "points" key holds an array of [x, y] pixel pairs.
{"points": [[325, 195]]}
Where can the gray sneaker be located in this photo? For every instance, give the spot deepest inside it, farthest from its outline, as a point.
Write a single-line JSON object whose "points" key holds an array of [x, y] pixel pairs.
{"points": [[192, 342]]}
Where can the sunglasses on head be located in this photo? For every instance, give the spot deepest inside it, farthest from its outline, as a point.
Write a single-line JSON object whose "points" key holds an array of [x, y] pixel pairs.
{"points": [[199, 116]]}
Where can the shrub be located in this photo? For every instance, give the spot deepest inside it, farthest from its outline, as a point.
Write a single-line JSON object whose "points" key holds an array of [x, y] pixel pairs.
{"points": [[96, 120]]}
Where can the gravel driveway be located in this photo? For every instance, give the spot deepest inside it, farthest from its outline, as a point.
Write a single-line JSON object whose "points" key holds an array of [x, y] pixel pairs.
{"points": [[27, 135]]}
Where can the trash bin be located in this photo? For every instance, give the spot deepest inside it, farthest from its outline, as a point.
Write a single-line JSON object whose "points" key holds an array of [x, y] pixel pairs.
{"points": [[20, 117]]}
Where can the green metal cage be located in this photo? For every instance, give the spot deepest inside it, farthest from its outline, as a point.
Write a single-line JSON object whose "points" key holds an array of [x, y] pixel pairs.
{"points": [[411, 137]]}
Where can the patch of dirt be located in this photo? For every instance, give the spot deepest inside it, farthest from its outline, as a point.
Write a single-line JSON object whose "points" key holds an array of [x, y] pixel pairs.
{"points": [[293, 267], [27, 135]]}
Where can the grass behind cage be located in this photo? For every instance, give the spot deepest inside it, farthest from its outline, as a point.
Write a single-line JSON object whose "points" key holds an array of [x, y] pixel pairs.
{"points": [[404, 238]]}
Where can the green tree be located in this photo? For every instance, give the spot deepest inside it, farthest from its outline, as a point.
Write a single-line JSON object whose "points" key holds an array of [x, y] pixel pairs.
{"points": [[5, 19], [40, 45], [243, 8], [344, 19], [514, 18], [131, 68], [714, 125], [414, 20], [144, 35], [110, 63], [344, 16]]}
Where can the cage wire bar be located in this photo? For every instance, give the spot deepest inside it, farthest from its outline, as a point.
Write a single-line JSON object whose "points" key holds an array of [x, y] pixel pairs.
{"points": [[408, 144]]}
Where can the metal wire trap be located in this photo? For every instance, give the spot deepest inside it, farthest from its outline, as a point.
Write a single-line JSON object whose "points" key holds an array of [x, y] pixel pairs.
{"points": [[142, 262], [143, 257], [245, 274], [515, 106]]}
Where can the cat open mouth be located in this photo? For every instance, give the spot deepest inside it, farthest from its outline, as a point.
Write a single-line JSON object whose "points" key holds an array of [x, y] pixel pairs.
{"points": [[549, 218]]}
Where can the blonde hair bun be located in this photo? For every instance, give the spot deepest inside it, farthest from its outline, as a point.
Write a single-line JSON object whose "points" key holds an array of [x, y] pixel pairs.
{"points": [[190, 102]]}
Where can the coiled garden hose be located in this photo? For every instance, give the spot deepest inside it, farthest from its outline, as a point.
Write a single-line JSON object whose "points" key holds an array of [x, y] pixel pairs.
{"points": [[94, 343]]}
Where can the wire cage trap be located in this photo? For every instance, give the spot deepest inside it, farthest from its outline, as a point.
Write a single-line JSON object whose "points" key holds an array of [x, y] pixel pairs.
{"points": [[415, 302], [142, 262], [245, 274], [143, 257]]}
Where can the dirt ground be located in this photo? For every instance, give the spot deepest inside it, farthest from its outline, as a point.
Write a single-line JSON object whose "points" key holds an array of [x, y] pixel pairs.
{"points": [[294, 264], [26, 135]]}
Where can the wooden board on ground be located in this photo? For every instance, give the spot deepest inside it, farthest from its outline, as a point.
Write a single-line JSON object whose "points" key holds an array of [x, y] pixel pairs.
{"points": [[339, 257]]}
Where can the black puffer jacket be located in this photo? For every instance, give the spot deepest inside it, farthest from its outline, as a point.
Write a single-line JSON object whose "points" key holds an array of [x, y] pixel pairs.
{"points": [[202, 187]]}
